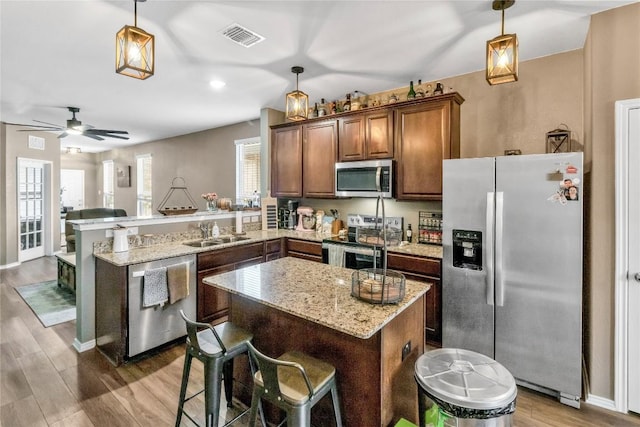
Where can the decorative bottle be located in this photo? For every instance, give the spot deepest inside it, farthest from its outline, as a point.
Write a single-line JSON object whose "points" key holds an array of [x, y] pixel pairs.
{"points": [[315, 110], [322, 111], [412, 93], [419, 90], [409, 233], [347, 103]]}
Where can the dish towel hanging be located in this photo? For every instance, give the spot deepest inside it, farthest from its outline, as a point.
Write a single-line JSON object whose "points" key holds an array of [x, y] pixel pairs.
{"points": [[178, 281], [154, 291], [336, 255]]}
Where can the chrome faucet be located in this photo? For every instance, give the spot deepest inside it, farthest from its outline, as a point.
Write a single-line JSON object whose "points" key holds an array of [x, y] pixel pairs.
{"points": [[205, 228]]}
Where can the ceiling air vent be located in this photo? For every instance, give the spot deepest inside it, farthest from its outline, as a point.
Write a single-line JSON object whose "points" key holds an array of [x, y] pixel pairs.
{"points": [[241, 35]]}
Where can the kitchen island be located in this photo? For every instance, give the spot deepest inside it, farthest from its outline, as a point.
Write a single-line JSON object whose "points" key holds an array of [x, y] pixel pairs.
{"points": [[294, 304]]}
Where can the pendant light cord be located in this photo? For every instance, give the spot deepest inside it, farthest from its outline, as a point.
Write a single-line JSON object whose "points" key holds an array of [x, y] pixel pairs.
{"points": [[503, 19], [135, 15]]}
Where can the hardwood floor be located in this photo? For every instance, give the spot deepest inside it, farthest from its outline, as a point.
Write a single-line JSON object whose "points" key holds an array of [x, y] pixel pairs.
{"points": [[45, 382]]}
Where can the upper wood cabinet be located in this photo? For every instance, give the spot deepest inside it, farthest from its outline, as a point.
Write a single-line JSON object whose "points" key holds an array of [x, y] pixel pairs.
{"points": [[426, 133], [418, 134], [366, 136], [286, 161], [319, 154]]}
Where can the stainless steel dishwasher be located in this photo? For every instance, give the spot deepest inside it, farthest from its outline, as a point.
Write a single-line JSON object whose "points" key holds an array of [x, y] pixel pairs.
{"points": [[150, 327]]}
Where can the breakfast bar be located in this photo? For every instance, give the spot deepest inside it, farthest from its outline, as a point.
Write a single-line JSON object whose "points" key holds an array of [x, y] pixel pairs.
{"points": [[294, 304]]}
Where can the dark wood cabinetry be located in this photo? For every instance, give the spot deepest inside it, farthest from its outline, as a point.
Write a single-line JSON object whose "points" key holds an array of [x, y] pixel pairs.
{"points": [[366, 136], [424, 270], [418, 134], [304, 249], [286, 161], [272, 249], [319, 154], [213, 303], [426, 133]]}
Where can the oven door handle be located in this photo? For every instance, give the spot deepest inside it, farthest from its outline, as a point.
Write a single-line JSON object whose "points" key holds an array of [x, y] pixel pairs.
{"points": [[355, 250]]}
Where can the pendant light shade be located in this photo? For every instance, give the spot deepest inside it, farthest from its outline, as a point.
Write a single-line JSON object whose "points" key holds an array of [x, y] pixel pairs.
{"points": [[135, 50], [502, 52], [297, 101]]}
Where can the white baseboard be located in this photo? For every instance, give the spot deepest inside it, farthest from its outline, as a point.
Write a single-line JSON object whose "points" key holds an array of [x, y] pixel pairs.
{"points": [[601, 402], [83, 346], [13, 264]]}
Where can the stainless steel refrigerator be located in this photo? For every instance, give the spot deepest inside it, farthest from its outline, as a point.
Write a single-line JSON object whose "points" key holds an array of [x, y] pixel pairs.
{"points": [[512, 265]]}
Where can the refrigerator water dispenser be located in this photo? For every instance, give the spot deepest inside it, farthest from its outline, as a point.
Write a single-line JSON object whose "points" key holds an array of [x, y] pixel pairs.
{"points": [[467, 249]]}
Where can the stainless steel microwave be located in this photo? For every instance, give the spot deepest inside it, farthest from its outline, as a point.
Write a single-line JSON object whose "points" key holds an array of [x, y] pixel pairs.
{"points": [[368, 178]]}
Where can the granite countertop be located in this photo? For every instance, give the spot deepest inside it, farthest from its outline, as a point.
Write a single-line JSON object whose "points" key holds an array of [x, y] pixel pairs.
{"points": [[316, 292], [177, 248]]}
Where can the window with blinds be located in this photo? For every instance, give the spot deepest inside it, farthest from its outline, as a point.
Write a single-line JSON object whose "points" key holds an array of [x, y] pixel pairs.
{"points": [[247, 167], [144, 200], [108, 178]]}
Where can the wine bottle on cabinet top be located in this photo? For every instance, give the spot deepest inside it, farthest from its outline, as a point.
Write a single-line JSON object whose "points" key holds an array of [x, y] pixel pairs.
{"points": [[347, 103], [412, 92]]}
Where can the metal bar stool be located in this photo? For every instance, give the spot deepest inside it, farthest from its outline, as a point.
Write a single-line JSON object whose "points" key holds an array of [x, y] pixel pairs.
{"points": [[294, 382], [215, 347]]}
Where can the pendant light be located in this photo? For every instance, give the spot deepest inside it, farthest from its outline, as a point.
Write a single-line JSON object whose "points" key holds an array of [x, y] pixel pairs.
{"points": [[297, 101], [502, 52], [135, 50]]}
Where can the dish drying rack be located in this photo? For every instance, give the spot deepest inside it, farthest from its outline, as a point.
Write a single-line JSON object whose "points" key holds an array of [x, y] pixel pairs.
{"points": [[183, 206]]}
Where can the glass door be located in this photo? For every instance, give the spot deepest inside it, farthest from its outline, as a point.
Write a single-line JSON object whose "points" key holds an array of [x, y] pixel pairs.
{"points": [[31, 203]]}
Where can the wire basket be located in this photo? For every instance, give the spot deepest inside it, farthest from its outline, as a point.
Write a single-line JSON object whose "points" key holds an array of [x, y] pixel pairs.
{"points": [[378, 286]]}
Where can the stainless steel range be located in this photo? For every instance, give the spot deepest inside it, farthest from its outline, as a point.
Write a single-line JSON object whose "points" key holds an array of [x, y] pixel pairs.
{"points": [[362, 247]]}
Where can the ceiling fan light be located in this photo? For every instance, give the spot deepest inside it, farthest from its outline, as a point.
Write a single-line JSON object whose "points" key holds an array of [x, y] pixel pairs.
{"points": [[502, 59], [297, 102], [135, 53]]}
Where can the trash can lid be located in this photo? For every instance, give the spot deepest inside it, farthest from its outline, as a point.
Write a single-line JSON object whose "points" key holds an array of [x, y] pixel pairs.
{"points": [[465, 378]]}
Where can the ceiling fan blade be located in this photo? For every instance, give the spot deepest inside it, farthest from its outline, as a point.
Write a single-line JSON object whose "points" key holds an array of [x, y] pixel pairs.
{"points": [[50, 127], [113, 136], [63, 135], [47, 123], [39, 129], [96, 137], [123, 132]]}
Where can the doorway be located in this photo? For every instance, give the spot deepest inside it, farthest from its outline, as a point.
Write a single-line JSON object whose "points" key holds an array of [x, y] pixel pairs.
{"points": [[72, 188], [627, 291], [34, 216]]}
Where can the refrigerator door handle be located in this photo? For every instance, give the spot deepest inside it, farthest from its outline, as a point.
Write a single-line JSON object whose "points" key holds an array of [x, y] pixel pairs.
{"points": [[498, 261], [491, 212]]}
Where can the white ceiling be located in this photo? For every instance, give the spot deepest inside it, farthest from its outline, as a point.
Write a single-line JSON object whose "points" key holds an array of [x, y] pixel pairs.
{"points": [[56, 54]]}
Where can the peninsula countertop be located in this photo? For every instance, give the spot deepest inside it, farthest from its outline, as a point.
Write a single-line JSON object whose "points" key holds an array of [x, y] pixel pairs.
{"points": [[317, 292], [178, 248]]}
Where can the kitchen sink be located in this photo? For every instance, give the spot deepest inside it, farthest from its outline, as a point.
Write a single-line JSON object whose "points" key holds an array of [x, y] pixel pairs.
{"points": [[203, 243]]}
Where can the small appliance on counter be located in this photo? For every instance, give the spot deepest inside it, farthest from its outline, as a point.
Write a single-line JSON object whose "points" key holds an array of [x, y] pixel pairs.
{"points": [[306, 219], [288, 215], [120, 239]]}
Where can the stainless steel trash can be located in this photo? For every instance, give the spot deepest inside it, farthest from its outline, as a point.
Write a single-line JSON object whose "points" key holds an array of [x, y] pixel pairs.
{"points": [[461, 388]]}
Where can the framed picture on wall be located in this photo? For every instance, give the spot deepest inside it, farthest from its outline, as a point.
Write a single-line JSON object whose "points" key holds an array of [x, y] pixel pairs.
{"points": [[124, 176]]}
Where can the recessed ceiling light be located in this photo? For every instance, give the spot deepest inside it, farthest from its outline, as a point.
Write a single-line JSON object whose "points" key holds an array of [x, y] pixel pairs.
{"points": [[217, 84]]}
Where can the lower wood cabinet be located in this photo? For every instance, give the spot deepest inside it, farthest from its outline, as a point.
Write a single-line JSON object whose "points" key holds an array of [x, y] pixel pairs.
{"points": [[213, 303], [424, 270], [304, 249], [272, 249]]}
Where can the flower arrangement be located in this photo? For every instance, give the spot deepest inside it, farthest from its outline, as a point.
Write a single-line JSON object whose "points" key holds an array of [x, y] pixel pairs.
{"points": [[210, 197]]}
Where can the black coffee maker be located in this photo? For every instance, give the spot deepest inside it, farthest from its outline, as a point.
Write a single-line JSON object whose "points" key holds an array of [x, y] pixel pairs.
{"points": [[292, 214]]}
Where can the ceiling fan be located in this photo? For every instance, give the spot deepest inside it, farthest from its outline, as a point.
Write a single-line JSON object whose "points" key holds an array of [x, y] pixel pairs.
{"points": [[75, 127]]}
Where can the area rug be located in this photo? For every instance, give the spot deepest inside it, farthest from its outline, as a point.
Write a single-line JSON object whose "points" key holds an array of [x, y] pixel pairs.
{"points": [[52, 304]]}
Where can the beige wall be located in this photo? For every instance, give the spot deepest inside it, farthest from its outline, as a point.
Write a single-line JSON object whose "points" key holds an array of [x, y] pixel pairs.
{"points": [[206, 161], [15, 145], [612, 58]]}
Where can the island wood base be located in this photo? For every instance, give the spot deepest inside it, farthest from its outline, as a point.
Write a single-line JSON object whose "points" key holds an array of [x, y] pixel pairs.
{"points": [[375, 385]]}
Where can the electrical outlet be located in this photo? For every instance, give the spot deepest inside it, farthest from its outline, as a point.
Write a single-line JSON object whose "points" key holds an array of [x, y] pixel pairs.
{"points": [[406, 350]]}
